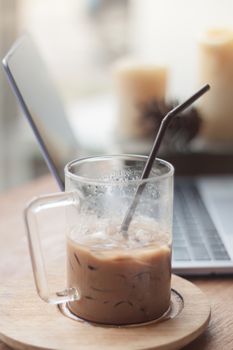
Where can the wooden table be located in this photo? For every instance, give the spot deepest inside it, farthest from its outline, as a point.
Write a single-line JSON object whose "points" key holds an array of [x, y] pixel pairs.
{"points": [[14, 262]]}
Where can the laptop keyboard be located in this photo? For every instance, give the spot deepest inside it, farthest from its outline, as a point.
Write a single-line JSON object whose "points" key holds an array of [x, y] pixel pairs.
{"points": [[194, 234]]}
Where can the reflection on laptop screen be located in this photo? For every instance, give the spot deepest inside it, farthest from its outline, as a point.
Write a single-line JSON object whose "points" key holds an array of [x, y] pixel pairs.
{"points": [[41, 104]]}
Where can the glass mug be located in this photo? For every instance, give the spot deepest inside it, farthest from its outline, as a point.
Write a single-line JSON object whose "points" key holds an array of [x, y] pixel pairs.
{"points": [[112, 278]]}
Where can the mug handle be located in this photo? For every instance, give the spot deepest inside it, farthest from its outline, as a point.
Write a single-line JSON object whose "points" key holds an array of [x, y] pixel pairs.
{"points": [[37, 205]]}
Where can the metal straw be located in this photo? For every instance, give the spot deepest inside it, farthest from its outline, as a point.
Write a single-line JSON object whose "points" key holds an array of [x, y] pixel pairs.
{"points": [[146, 172]]}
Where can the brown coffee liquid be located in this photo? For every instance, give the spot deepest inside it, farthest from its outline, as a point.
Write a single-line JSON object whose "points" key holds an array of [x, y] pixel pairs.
{"points": [[120, 281]]}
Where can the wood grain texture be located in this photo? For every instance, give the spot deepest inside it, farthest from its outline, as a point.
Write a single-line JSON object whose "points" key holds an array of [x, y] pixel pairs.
{"points": [[14, 263], [29, 323]]}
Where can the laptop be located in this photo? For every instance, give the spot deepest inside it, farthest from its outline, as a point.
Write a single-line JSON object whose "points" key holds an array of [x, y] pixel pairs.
{"points": [[203, 224]]}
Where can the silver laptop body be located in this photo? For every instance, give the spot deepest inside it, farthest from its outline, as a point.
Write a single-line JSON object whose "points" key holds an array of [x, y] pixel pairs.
{"points": [[203, 207], [203, 221]]}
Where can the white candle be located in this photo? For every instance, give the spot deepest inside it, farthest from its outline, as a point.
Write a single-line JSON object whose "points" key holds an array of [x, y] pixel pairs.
{"points": [[216, 68], [137, 85]]}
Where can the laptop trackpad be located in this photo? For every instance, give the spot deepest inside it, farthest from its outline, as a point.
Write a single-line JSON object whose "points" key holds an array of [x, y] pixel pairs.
{"points": [[218, 198], [223, 208]]}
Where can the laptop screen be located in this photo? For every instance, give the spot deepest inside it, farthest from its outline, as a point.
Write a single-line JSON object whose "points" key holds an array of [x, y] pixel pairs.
{"points": [[42, 105]]}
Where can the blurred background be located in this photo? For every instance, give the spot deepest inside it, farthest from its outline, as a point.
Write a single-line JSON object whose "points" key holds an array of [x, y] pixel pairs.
{"points": [[91, 46]]}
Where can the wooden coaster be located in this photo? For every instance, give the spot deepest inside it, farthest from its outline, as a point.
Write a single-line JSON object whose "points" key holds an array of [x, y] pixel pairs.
{"points": [[26, 322]]}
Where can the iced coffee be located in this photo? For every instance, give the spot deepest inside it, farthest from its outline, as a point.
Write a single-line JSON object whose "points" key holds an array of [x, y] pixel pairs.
{"points": [[120, 280]]}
